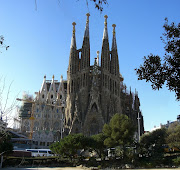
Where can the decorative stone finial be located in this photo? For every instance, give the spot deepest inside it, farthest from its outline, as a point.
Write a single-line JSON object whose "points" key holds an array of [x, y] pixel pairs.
{"points": [[61, 77], [87, 21], [105, 22], [86, 33], [73, 40], [53, 76], [114, 26], [74, 27], [105, 34], [97, 58]]}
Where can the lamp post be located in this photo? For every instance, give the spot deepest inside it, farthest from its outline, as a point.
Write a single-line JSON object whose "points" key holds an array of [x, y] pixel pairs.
{"points": [[62, 124], [1, 114], [138, 118]]}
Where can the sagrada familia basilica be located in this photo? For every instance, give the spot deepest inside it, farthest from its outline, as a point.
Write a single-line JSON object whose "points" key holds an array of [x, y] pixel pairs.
{"points": [[89, 97]]}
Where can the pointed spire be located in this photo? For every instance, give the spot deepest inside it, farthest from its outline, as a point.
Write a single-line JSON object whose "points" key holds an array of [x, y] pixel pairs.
{"points": [[61, 85], [61, 78], [73, 40], [44, 87], [61, 92], [105, 54], [105, 34], [97, 58], [86, 33], [85, 51], [114, 45], [52, 86]]}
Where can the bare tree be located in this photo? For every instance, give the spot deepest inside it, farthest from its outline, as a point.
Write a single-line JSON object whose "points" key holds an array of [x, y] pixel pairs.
{"points": [[97, 3], [6, 105]]}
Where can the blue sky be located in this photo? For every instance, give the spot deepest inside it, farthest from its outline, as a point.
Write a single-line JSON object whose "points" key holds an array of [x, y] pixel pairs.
{"points": [[40, 39]]}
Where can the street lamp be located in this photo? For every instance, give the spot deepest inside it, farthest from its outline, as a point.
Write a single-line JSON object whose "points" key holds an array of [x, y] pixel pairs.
{"points": [[1, 114], [138, 118], [62, 124]]}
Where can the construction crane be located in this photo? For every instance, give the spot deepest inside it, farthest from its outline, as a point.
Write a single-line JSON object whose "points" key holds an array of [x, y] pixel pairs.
{"points": [[32, 115], [32, 118]]}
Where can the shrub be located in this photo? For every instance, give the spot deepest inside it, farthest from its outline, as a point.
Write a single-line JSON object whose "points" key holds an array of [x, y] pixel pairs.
{"points": [[176, 161]]}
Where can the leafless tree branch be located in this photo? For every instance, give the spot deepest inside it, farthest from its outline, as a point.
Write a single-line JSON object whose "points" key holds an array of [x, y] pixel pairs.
{"points": [[5, 107]]}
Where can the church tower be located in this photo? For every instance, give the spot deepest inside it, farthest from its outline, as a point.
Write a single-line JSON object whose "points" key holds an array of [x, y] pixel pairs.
{"points": [[115, 75], [105, 73], [71, 79], [88, 99], [84, 73], [93, 95], [78, 82]]}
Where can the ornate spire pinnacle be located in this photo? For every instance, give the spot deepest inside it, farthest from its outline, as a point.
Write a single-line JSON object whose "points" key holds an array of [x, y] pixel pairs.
{"points": [[61, 78], [86, 33], [114, 45], [74, 28], [114, 26], [73, 40], [52, 86], [105, 34], [97, 58], [43, 86], [95, 61]]}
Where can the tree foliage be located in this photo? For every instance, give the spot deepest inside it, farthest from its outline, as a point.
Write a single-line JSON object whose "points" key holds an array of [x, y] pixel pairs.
{"points": [[167, 70], [70, 145], [119, 131], [98, 144], [98, 4], [5, 142], [2, 44], [173, 138], [151, 144]]}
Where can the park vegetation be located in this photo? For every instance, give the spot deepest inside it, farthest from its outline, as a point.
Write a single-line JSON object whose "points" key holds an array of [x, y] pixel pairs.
{"points": [[158, 148], [5, 142], [115, 147], [164, 70]]}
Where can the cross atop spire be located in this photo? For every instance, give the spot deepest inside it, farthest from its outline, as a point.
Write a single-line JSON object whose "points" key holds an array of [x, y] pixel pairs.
{"points": [[105, 34], [86, 34], [73, 40]]}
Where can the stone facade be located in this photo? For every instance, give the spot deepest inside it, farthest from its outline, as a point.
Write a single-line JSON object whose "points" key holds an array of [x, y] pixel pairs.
{"points": [[89, 97], [94, 92], [48, 111]]}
